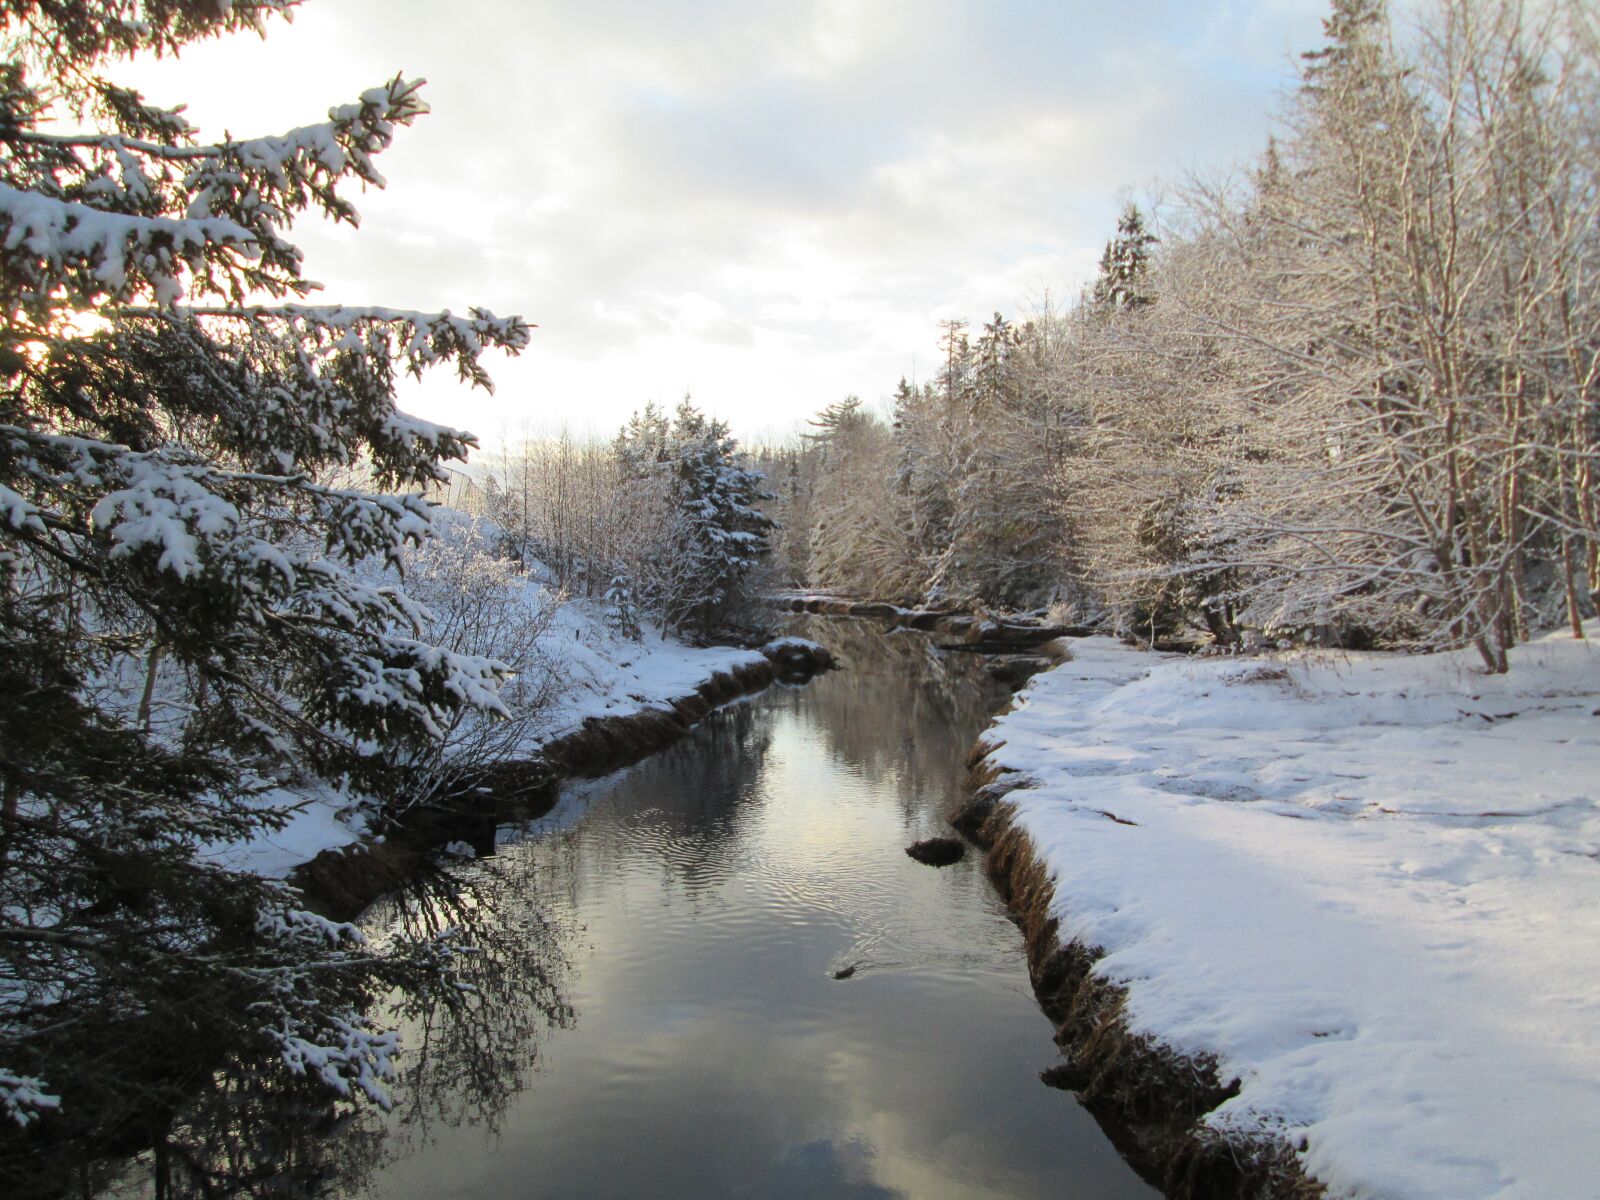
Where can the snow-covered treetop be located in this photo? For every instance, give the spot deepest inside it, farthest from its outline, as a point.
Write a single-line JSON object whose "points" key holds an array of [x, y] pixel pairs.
{"points": [[91, 219]]}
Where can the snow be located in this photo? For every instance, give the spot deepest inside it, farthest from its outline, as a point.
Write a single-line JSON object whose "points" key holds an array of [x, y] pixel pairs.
{"points": [[298, 923], [595, 672], [64, 234], [19, 513], [318, 821], [23, 1098], [1368, 884], [786, 645], [164, 507], [362, 1056], [608, 675]]}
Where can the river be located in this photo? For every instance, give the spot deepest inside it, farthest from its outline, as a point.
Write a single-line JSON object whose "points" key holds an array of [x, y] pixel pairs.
{"points": [[658, 1009]]}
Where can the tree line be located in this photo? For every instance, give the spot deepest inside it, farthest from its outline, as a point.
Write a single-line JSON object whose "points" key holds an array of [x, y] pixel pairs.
{"points": [[1344, 396], [665, 521], [1347, 396]]}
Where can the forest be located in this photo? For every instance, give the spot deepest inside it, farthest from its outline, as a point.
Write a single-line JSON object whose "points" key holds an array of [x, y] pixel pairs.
{"points": [[1345, 395]]}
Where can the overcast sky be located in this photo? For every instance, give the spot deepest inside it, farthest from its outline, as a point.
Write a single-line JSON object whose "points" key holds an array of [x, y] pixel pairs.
{"points": [[769, 205]]}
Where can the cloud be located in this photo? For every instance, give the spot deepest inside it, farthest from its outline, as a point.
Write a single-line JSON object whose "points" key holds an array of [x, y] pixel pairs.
{"points": [[767, 203]]}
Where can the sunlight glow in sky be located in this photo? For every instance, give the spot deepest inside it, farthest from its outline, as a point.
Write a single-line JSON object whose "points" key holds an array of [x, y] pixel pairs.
{"points": [[767, 205]]}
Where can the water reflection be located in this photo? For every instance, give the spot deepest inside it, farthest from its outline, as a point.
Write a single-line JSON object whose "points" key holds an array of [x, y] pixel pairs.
{"points": [[467, 1056], [712, 891], [915, 737], [652, 1009]]}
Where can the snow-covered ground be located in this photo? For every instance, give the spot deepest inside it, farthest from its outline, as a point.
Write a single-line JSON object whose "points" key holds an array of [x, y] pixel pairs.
{"points": [[1368, 883], [598, 674], [572, 666], [602, 674]]}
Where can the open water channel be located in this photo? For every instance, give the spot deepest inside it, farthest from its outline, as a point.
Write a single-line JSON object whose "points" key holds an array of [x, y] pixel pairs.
{"points": [[658, 1013]]}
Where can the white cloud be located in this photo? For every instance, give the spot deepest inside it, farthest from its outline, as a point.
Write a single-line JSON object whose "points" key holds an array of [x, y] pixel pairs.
{"points": [[769, 204]]}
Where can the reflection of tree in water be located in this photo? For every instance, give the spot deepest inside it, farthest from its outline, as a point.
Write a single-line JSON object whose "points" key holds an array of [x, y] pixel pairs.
{"points": [[467, 1053], [681, 811], [899, 705], [248, 1135]]}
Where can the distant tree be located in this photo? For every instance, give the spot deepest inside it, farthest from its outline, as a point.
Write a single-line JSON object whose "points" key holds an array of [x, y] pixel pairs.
{"points": [[1356, 31], [642, 443], [1123, 281], [622, 614], [705, 502], [925, 472]]}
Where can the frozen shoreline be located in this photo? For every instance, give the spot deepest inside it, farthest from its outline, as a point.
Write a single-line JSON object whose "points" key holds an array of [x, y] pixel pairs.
{"points": [[1358, 882]]}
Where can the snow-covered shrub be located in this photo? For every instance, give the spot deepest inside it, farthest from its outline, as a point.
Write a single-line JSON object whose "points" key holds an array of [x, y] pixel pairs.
{"points": [[622, 615], [481, 603]]}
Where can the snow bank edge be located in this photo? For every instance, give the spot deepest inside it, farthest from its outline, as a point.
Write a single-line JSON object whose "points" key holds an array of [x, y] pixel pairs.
{"points": [[1148, 1097], [340, 883]]}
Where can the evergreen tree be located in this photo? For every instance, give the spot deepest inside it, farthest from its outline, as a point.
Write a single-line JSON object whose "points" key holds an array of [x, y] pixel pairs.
{"points": [[711, 533], [724, 533], [622, 615], [1356, 30], [923, 470], [1125, 265], [185, 646], [858, 529], [836, 421], [642, 443]]}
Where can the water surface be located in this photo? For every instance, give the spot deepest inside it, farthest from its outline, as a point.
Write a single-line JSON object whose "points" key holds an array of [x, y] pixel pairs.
{"points": [[687, 1037]]}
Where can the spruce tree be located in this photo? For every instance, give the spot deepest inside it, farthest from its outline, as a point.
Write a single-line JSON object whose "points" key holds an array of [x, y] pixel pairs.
{"points": [[1125, 265], [622, 615], [186, 647], [706, 498], [725, 533]]}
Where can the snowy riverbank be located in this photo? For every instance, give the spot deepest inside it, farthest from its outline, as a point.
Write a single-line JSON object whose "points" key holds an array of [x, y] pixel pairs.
{"points": [[1368, 884], [580, 670]]}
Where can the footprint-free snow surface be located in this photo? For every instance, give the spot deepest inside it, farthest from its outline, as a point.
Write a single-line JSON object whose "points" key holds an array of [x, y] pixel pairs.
{"points": [[1369, 884]]}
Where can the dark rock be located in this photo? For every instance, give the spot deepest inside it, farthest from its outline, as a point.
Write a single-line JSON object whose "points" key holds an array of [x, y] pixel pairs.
{"points": [[989, 787], [874, 608], [1066, 1076], [937, 852], [797, 659]]}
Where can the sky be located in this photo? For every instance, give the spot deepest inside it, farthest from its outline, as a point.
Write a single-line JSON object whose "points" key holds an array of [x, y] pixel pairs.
{"points": [[768, 206]]}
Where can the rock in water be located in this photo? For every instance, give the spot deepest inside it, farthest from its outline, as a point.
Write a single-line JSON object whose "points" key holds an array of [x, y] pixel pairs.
{"points": [[937, 852], [798, 659]]}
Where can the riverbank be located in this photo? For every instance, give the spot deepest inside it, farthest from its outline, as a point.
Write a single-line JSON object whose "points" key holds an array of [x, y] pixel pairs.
{"points": [[1315, 920], [707, 902], [611, 701]]}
